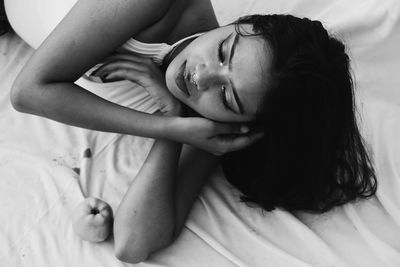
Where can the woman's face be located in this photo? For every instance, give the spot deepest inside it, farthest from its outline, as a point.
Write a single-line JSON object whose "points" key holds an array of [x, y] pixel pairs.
{"points": [[221, 75]]}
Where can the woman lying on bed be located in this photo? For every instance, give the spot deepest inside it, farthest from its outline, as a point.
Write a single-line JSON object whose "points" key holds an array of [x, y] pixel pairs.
{"points": [[282, 76]]}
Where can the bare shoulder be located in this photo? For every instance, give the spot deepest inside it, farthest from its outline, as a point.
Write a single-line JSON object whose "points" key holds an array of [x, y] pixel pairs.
{"points": [[88, 33], [184, 18], [198, 17]]}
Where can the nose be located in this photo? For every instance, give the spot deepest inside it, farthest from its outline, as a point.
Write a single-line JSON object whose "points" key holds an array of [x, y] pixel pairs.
{"points": [[207, 76]]}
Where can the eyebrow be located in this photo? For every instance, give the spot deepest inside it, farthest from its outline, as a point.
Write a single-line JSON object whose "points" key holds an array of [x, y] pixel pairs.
{"points": [[231, 53]]}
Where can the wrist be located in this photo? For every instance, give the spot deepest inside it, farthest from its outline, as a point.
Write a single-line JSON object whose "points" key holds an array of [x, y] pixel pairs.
{"points": [[175, 110], [171, 128]]}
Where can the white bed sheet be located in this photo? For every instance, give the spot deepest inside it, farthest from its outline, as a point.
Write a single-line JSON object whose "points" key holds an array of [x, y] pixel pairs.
{"points": [[39, 189]]}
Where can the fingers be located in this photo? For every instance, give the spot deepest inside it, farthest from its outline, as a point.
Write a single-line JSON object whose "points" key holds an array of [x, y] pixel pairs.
{"points": [[125, 61], [229, 128], [242, 141], [129, 57], [118, 65], [230, 143], [121, 74], [123, 70]]}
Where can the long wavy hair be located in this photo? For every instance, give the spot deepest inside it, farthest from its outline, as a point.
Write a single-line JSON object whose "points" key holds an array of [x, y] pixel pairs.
{"points": [[312, 156]]}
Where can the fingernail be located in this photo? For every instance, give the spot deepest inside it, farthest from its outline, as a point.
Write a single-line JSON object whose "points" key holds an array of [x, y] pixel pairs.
{"points": [[244, 129]]}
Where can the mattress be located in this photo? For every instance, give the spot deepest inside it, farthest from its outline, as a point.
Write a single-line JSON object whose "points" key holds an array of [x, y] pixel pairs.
{"points": [[39, 187]]}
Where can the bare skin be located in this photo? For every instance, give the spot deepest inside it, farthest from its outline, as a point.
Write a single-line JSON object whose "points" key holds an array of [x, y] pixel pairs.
{"points": [[162, 194], [183, 18], [45, 85]]}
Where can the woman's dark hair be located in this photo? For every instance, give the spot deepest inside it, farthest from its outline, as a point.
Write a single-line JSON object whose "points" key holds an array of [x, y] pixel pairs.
{"points": [[312, 156]]}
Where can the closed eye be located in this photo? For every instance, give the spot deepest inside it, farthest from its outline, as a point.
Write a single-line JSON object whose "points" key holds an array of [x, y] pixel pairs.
{"points": [[226, 97]]}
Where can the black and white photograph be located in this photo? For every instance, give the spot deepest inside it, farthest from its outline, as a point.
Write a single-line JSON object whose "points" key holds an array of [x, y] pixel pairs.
{"points": [[199, 133]]}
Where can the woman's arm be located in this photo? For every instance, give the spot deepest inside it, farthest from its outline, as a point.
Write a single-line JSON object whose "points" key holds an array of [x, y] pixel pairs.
{"points": [[157, 203], [90, 31]]}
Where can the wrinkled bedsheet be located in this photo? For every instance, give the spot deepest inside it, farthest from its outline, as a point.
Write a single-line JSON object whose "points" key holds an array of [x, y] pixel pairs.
{"points": [[39, 188]]}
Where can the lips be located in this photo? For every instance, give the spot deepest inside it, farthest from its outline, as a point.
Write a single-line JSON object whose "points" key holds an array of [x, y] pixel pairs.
{"points": [[180, 79]]}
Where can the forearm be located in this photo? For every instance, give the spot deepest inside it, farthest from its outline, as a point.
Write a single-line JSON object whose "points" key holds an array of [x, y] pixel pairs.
{"points": [[68, 103], [90, 32], [145, 220]]}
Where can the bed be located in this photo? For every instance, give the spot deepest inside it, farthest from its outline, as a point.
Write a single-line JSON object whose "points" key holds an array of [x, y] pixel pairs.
{"points": [[40, 187]]}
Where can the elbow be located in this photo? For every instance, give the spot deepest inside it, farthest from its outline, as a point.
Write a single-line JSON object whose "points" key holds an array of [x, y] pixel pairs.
{"points": [[22, 96], [127, 247], [133, 257], [17, 97], [135, 241], [132, 252], [136, 249]]}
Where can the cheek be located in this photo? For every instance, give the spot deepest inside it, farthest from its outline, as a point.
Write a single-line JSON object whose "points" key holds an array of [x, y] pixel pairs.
{"points": [[208, 106]]}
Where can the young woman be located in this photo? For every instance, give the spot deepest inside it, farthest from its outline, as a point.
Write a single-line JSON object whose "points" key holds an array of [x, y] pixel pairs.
{"points": [[286, 78]]}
